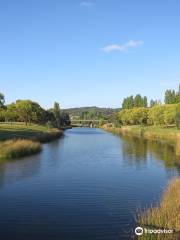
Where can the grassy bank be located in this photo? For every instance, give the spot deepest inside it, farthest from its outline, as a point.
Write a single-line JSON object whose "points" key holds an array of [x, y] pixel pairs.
{"points": [[165, 135], [18, 148], [166, 215], [18, 140], [32, 132]]}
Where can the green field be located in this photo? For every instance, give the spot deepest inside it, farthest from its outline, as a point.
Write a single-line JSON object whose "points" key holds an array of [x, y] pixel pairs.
{"points": [[20, 130], [17, 139]]}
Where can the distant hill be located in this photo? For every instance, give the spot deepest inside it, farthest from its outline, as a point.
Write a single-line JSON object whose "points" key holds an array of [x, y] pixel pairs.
{"points": [[90, 112]]}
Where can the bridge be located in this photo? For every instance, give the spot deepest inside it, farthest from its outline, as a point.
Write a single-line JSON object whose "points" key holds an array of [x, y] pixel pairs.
{"points": [[86, 122]]}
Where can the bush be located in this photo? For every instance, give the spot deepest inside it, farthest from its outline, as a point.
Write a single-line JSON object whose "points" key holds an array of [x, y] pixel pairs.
{"points": [[169, 114], [156, 115], [134, 116], [139, 115]]}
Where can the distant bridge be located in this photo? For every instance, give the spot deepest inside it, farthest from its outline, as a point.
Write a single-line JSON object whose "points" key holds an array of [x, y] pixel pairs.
{"points": [[86, 122]]}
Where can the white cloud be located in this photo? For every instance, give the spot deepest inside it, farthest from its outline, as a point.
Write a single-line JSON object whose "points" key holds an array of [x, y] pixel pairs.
{"points": [[118, 47], [87, 4]]}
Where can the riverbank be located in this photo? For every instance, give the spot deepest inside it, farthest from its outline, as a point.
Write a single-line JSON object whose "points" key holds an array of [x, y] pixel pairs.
{"points": [[18, 140], [166, 215], [170, 135], [31, 132]]}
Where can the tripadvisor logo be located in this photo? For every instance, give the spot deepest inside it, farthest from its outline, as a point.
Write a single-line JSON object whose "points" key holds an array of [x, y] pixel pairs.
{"points": [[139, 231]]}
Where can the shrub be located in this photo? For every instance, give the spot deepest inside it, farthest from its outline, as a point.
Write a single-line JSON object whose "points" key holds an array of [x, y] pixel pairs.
{"points": [[134, 116], [169, 114], [156, 115], [140, 115]]}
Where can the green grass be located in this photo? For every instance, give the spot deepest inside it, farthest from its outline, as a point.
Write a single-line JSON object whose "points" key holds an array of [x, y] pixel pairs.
{"points": [[11, 149], [32, 132], [18, 140]]}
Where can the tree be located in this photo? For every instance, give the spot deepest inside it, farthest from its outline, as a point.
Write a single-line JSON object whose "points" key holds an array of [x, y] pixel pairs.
{"points": [[170, 97], [177, 116], [138, 101], [124, 116], [2, 100], [65, 119], [24, 109], [156, 115], [131, 102], [140, 115], [145, 102], [10, 114], [29, 111], [128, 103], [169, 114], [178, 96], [57, 114]]}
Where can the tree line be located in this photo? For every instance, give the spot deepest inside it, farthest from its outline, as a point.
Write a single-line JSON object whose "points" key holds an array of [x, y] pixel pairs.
{"points": [[135, 111], [171, 97], [158, 115], [31, 112]]}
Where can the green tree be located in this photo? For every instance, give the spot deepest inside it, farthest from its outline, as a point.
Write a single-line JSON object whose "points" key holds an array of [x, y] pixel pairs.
{"points": [[128, 103], [145, 101], [178, 96], [156, 115], [24, 110], [177, 116], [140, 115], [2, 100], [169, 114], [138, 101], [57, 114], [65, 119], [10, 114], [29, 111], [170, 97]]}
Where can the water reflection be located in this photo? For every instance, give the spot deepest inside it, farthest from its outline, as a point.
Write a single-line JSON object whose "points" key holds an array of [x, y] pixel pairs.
{"points": [[12, 171], [87, 185], [138, 151]]}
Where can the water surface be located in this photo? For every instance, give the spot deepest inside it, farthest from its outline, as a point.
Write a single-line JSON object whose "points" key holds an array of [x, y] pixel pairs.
{"points": [[85, 186]]}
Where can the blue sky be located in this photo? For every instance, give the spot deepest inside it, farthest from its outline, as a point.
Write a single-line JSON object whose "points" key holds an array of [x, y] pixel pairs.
{"points": [[87, 53]]}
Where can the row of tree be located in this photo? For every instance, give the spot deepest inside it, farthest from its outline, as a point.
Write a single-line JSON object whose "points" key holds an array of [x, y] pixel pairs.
{"points": [[137, 101], [31, 112], [166, 114], [171, 97]]}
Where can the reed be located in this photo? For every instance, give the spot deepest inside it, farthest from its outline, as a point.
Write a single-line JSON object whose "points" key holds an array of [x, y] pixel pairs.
{"points": [[18, 148], [166, 215], [48, 136]]}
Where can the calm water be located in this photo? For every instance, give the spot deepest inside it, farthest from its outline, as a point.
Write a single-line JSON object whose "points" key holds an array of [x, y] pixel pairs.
{"points": [[85, 186]]}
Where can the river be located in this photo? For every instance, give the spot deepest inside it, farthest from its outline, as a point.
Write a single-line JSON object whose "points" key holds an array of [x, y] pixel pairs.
{"points": [[87, 185]]}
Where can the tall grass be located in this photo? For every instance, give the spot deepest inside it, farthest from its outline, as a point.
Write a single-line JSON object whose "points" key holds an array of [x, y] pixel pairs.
{"points": [[18, 148], [166, 215], [48, 136]]}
